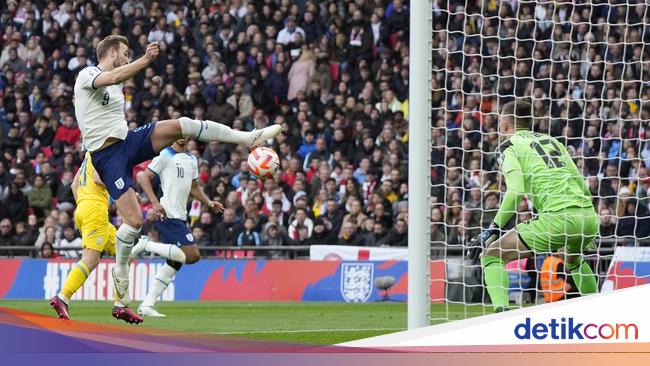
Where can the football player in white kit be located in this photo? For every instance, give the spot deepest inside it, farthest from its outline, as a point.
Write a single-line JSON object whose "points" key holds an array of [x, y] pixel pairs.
{"points": [[99, 108], [179, 174]]}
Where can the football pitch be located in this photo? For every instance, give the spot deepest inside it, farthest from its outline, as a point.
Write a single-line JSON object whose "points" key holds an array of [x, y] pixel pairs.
{"points": [[306, 322]]}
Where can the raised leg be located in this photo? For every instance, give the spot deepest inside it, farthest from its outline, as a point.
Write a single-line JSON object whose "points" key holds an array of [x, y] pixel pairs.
{"points": [[167, 131]]}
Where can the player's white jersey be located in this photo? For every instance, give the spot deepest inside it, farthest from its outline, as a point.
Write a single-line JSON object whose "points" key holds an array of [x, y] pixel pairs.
{"points": [[177, 171], [99, 111]]}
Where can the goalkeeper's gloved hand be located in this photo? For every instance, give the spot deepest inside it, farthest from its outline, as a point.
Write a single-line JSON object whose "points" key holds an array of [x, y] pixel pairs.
{"points": [[482, 240]]}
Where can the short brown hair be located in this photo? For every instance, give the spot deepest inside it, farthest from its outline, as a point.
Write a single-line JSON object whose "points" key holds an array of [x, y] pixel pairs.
{"points": [[521, 112], [112, 41]]}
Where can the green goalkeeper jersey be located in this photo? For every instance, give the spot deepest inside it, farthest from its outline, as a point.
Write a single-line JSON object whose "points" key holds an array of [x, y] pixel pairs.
{"points": [[539, 167]]}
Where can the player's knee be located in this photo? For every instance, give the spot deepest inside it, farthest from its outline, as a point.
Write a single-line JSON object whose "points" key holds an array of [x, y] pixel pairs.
{"points": [[90, 257], [90, 261], [188, 126], [493, 251], [135, 221], [175, 265], [572, 259]]}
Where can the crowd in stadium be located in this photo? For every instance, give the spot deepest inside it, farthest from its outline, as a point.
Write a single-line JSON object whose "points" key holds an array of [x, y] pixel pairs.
{"points": [[334, 74], [586, 69]]}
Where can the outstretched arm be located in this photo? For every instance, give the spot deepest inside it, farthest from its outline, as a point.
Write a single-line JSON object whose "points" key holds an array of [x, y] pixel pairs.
{"points": [[125, 72]]}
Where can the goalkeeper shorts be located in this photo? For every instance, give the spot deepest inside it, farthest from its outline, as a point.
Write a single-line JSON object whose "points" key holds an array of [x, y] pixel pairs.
{"points": [[571, 230]]}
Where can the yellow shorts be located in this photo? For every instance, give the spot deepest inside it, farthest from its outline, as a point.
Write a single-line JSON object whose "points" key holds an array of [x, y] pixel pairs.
{"points": [[97, 232]]}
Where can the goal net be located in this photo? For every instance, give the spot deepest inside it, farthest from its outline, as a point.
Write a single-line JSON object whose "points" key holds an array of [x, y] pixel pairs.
{"points": [[585, 68]]}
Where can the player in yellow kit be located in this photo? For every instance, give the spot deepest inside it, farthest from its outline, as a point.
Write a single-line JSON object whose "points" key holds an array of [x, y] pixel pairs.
{"points": [[98, 236]]}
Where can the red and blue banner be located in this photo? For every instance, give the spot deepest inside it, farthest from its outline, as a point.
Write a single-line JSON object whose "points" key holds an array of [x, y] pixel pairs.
{"points": [[629, 267], [215, 280]]}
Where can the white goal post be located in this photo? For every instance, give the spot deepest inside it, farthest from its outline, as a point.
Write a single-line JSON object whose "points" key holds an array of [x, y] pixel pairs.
{"points": [[419, 162]]}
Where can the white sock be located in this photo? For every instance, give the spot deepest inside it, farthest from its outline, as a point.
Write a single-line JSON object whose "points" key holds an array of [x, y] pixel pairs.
{"points": [[124, 238], [207, 131], [168, 251], [163, 278]]}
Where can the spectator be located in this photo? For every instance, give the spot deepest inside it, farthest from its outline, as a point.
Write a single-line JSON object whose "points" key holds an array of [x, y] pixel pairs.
{"points": [[249, 236], [23, 237], [223, 110], [40, 197], [436, 230], [356, 216], [32, 227], [491, 206], [308, 145], [398, 236], [634, 221], [44, 133], [607, 223], [380, 215], [300, 73], [274, 236], [6, 237], [312, 26], [291, 32], [320, 154], [349, 235], [362, 171], [321, 234], [228, 230], [301, 220], [68, 132], [334, 215], [242, 103], [200, 237], [70, 240], [252, 212], [360, 40], [5, 178], [64, 195], [16, 203], [378, 233], [277, 82], [47, 251]]}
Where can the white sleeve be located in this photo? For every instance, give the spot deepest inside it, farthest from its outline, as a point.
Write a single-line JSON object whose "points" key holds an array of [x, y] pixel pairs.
{"points": [[87, 76], [157, 164], [195, 176]]}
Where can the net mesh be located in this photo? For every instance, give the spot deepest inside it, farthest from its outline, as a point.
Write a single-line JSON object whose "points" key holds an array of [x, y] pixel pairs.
{"points": [[583, 65]]}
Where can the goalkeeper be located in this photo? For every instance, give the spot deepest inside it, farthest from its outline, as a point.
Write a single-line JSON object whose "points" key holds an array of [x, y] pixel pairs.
{"points": [[537, 166]]}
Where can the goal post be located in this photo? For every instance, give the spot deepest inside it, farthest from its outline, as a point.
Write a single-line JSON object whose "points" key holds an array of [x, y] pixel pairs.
{"points": [[419, 161]]}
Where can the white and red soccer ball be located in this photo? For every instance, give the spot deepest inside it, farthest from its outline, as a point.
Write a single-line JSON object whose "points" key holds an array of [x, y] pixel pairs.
{"points": [[263, 162]]}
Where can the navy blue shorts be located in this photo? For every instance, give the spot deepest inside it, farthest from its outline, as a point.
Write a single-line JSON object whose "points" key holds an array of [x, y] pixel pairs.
{"points": [[115, 163], [174, 231]]}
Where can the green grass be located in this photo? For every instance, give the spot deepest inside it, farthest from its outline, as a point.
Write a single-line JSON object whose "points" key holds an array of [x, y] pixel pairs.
{"points": [[314, 323]]}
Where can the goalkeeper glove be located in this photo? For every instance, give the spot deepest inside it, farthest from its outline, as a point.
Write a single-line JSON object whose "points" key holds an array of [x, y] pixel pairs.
{"points": [[483, 240]]}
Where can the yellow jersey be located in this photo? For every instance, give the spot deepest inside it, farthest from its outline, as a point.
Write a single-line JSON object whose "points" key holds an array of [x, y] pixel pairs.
{"points": [[91, 215], [88, 189]]}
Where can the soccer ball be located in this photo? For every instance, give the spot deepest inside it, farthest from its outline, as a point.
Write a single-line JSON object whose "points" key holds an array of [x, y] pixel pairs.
{"points": [[263, 162]]}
